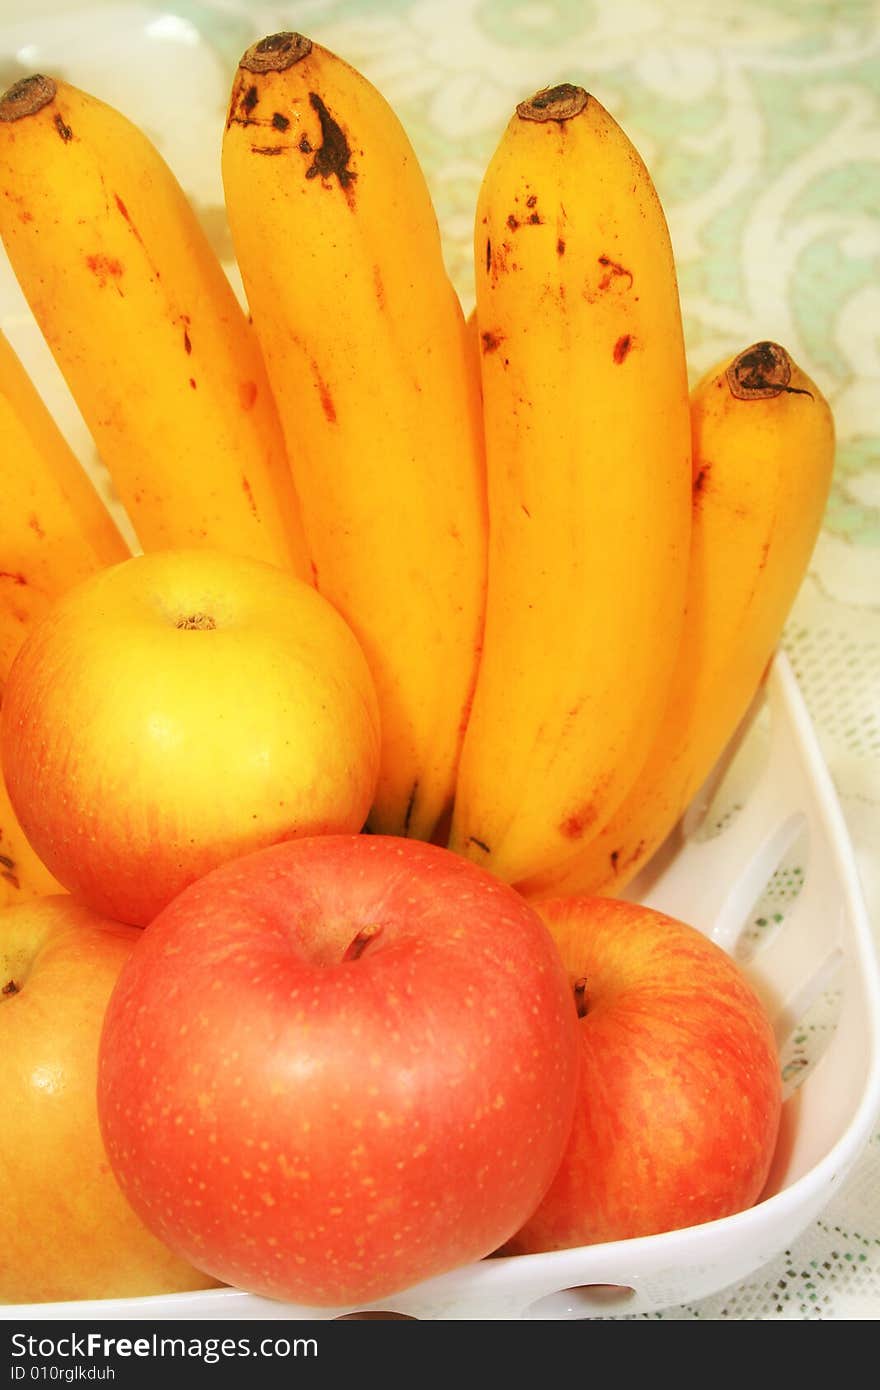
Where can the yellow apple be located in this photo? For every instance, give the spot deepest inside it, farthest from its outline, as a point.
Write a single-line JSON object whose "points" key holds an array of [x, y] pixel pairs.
{"points": [[179, 709], [67, 1231]]}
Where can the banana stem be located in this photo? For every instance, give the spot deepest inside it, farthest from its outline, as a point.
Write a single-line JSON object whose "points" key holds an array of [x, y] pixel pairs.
{"points": [[761, 372], [276, 52], [559, 103], [26, 97]]}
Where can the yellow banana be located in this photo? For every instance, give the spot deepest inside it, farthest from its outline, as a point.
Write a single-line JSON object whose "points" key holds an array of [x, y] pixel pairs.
{"points": [[367, 351], [588, 457], [145, 327], [54, 530], [763, 451], [22, 874]]}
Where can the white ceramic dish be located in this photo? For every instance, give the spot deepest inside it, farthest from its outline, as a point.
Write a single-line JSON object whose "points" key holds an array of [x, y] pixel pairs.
{"points": [[768, 816]]}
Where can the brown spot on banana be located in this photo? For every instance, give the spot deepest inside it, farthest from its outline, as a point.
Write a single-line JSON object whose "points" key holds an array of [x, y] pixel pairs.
{"points": [[612, 270], [247, 394], [575, 826], [8, 871], [497, 260], [620, 865], [234, 101], [491, 341], [327, 403], [124, 213], [104, 268], [249, 494], [410, 806], [533, 220], [334, 153], [274, 53], [622, 347], [480, 844]]}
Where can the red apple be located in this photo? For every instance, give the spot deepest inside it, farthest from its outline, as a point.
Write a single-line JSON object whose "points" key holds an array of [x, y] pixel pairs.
{"points": [[176, 710], [680, 1090], [67, 1231], [338, 1066]]}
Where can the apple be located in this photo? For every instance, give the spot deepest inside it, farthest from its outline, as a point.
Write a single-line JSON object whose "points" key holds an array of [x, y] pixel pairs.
{"points": [[680, 1090], [67, 1231], [339, 1066], [176, 710]]}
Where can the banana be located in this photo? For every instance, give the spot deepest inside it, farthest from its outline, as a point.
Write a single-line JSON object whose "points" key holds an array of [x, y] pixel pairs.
{"points": [[588, 458], [368, 355], [763, 452], [145, 327], [22, 874], [54, 531]]}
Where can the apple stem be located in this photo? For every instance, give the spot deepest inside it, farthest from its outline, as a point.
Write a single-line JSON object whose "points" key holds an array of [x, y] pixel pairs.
{"points": [[197, 622], [359, 944], [580, 996]]}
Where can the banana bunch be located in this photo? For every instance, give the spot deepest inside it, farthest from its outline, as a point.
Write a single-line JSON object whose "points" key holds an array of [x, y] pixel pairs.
{"points": [[567, 574]]}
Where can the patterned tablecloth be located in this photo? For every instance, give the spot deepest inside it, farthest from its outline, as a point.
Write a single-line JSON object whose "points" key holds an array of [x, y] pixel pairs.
{"points": [[760, 122]]}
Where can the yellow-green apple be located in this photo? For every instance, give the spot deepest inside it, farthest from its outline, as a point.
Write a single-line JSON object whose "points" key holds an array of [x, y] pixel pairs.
{"points": [[67, 1232], [680, 1091], [338, 1066], [178, 709]]}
